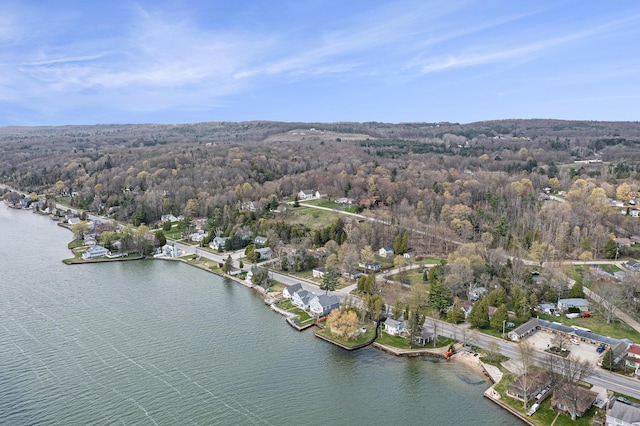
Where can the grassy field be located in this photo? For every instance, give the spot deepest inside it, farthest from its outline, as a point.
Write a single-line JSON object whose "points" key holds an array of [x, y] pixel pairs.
{"points": [[310, 217], [598, 325]]}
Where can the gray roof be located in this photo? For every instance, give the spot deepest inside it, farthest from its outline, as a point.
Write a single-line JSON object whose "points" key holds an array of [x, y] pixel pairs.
{"points": [[534, 323], [328, 301], [394, 323], [293, 288], [629, 413], [575, 301]]}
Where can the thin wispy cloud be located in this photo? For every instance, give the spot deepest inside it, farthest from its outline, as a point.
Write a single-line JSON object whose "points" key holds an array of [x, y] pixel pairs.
{"points": [[146, 58]]}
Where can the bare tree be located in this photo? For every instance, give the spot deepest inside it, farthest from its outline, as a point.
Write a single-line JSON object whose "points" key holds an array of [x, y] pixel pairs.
{"points": [[525, 360], [568, 374], [607, 296]]}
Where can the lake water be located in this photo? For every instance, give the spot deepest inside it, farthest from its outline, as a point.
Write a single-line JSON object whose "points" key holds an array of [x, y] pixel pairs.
{"points": [[157, 342]]}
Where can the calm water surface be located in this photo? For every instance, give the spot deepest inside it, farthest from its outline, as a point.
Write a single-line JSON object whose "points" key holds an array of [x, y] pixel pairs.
{"points": [[156, 342]]}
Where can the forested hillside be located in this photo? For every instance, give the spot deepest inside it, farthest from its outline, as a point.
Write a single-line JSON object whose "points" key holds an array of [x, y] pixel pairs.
{"points": [[473, 182]]}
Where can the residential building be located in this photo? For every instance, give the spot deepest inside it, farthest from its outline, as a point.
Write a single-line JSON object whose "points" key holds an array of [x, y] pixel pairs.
{"points": [[560, 401], [323, 304], [527, 387], [394, 327], [290, 290], [370, 266], [95, 252], [306, 195], [633, 358], [301, 298], [386, 251], [218, 243], [565, 304], [318, 272], [260, 241], [265, 253], [622, 413]]}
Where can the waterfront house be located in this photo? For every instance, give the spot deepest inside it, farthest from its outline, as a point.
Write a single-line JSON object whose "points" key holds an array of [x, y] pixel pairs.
{"points": [[394, 327], [424, 338], [622, 413], [386, 251], [95, 252], [560, 401], [323, 304], [290, 290], [301, 298], [633, 358], [218, 243], [576, 302], [527, 387]]}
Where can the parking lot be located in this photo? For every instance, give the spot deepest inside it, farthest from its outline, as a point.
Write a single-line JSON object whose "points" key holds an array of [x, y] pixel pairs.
{"points": [[541, 340]]}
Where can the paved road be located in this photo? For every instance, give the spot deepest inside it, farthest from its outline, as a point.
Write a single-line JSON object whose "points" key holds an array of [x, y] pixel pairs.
{"points": [[599, 377]]}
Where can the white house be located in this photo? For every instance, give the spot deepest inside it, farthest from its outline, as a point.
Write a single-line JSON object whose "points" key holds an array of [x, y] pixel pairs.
{"points": [[94, 252], [319, 194], [218, 243], [301, 298], [394, 327], [386, 251], [319, 272], [370, 266], [633, 358], [322, 305], [290, 290], [306, 195], [168, 218], [565, 304]]}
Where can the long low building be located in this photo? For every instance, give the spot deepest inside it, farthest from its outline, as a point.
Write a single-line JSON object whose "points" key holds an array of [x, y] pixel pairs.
{"points": [[536, 324]]}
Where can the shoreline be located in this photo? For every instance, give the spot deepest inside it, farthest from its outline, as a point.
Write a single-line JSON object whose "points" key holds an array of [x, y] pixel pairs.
{"points": [[465, 358]]}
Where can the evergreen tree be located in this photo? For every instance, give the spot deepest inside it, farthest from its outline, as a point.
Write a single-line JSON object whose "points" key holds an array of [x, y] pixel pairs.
{"points": [[498, 317], [456, 313], [611, 249], [439, 296], [228, 265], [577, 290], [479, 315], [329, 280], [415, 326], [608, 360]]}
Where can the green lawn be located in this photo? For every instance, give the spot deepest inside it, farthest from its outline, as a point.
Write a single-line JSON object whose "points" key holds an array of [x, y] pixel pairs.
{"points": [[393, 341], [597, 324], [310, 217]]}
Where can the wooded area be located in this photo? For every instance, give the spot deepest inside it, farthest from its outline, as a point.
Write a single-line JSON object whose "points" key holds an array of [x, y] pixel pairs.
{"points": [[486, 185]]}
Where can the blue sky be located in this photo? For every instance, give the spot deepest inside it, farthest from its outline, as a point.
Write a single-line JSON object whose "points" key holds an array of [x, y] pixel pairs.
{"points": [[86, 62]]}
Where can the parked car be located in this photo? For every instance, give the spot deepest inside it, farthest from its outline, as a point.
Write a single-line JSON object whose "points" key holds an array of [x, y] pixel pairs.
{"points": [[533, 409], [573, 316], [574, 341], [585, 315], [600, 349]]}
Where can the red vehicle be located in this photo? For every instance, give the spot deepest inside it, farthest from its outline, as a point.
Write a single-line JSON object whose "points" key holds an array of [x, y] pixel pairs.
{"points": [[585, 315]]}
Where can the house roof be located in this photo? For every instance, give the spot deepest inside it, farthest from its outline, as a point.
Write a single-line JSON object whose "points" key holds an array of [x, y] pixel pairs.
{"points": [[575, 301], [390, 322], [634, 349], [586, 398], [536, 379], [291, 289], [387, 248], [328, 300], [628, 413]]}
